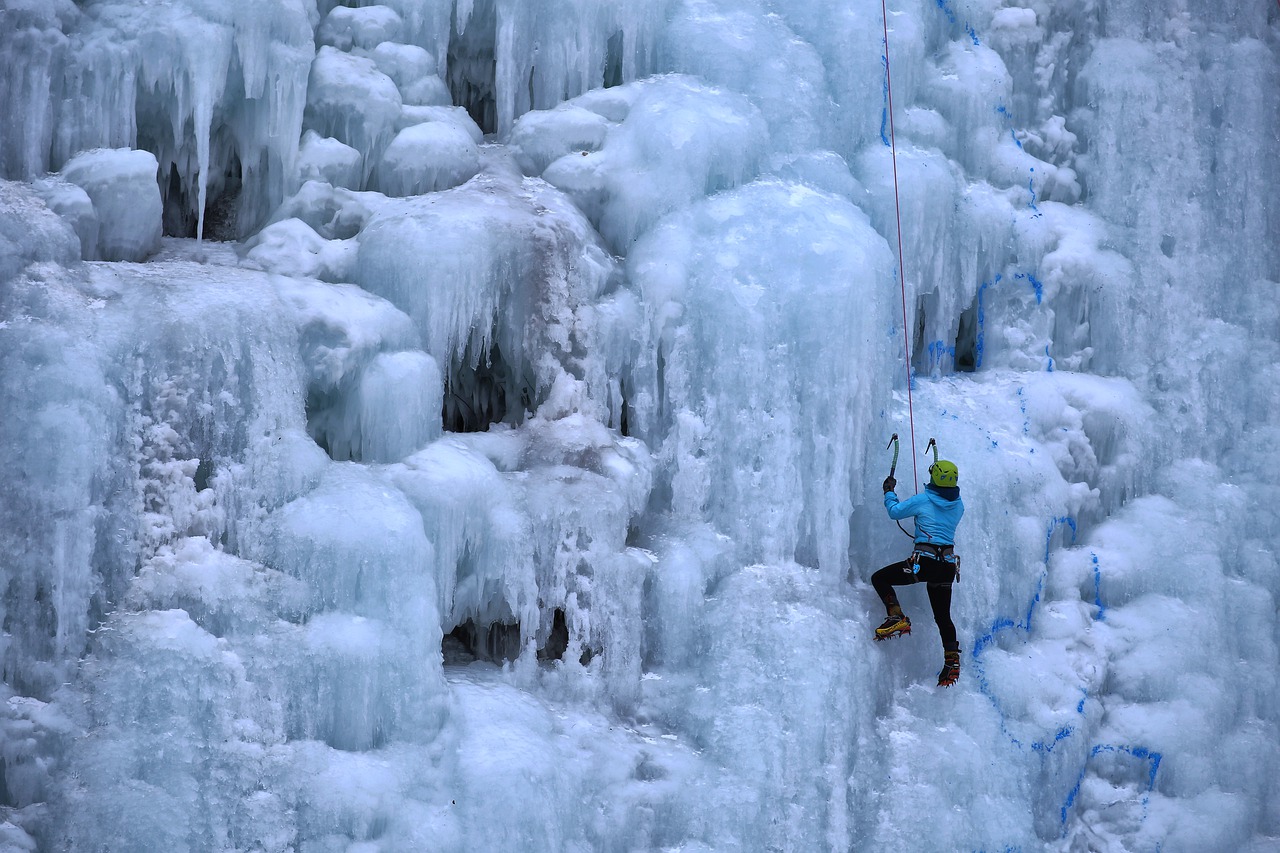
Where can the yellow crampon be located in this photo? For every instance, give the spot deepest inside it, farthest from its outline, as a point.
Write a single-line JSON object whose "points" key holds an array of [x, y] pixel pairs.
{"points": [[893, 626]]}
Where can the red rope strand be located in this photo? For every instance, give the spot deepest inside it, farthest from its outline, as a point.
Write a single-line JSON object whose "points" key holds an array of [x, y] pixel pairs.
{"points": [[902, 276]]}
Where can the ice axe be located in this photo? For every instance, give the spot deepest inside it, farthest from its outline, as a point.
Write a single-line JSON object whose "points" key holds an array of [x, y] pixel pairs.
{"points": [[893, 466], [932, 445]]}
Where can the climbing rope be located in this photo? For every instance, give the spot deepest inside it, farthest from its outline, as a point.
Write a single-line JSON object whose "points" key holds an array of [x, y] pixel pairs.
{"points": [[902, 279]]}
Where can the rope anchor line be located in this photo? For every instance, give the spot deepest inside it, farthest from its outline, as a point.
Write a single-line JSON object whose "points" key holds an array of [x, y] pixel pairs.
{"points": [[902, 279]]}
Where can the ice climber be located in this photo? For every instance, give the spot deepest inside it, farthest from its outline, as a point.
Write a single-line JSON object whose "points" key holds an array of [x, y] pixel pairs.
{"points": [[937, 511]]}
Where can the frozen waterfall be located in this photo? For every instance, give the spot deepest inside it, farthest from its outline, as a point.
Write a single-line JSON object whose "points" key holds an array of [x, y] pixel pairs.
{"points": [[458, 425]]}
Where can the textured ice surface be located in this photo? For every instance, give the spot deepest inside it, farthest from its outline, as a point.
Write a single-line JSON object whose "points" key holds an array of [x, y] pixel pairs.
{"points": [[510, 57], [669, 141], [291, 246], [413, 70], [740, 289], [328, 160], [126, 202], [425, 158], [30, 232], [214, 90], [508, 479], [75, 207], [349, 99], [365, 27]]}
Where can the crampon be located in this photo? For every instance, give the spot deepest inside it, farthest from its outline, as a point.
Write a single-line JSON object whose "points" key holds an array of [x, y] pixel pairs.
{"points": [[950, 669], [893, 626]]}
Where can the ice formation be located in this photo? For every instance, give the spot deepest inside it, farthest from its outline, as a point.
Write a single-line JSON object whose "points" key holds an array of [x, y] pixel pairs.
{"points": [[458, 424], [125, 204]]}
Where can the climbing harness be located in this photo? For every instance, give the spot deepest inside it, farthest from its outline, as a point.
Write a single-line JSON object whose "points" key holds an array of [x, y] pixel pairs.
{"points": [[942, 553], [902, 280]]}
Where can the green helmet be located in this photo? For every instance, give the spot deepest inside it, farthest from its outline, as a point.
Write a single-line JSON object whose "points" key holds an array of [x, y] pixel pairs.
{"points": [[944, 473]]}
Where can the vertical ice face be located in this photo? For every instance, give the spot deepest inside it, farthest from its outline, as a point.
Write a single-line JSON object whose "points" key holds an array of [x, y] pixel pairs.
{"points": [[368, 671], [1181, 212], [630, 154], [1167, 163], [57, 489], [425, 24], [215, 91], [383, 414], [187, 445], [350, 100], [36, 46], [501, 276], [514, 483], [508, 57], [758, 300], [758, 55]]}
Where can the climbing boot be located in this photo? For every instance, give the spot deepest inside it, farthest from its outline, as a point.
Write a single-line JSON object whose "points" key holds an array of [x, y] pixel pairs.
{"points": [[950, 669], [895, 625]]}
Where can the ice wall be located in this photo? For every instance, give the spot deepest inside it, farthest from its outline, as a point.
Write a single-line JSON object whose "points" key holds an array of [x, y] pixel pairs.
{"points": [[509, 478], [214, 90]]}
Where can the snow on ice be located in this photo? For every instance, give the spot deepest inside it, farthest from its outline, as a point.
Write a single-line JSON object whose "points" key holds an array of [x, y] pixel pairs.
{"points": [[457, 424]]}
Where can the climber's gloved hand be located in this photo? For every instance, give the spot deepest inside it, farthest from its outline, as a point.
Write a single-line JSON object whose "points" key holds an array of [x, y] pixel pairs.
{"points": [[890, 484]]}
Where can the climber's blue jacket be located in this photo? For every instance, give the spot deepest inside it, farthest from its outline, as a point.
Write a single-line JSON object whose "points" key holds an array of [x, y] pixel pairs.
{"points": [[937, 510]]}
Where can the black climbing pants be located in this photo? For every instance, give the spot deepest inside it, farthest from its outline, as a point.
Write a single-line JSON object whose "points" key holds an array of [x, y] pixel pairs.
{"points": [[937, 575]]}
